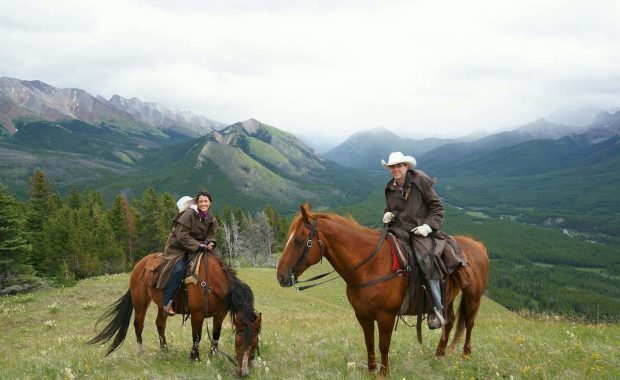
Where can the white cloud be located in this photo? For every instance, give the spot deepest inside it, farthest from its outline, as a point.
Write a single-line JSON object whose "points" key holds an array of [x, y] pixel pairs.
{"points": [[418, 68]]}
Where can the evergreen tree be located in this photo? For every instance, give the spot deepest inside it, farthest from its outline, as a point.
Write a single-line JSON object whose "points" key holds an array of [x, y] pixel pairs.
{"points": [[169, 209], [152, 226], [74, 199], [111, 253], [122, 221], [40, 203], [278, 227], [14, 247]]}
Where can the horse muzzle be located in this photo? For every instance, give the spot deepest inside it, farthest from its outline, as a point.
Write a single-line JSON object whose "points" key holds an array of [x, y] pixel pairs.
{"points": [[286, 281]]}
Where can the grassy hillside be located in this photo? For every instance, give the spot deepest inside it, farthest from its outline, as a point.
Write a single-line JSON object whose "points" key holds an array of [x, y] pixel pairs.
{"points": [[307, 335]]}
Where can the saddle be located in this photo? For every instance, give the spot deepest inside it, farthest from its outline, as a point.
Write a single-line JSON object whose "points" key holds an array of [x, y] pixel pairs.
{"points": [[416, 299], [152, 272]]}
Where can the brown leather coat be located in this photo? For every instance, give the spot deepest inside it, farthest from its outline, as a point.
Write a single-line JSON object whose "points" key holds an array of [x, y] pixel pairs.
{"points": [[188, 232], [416, 204]]}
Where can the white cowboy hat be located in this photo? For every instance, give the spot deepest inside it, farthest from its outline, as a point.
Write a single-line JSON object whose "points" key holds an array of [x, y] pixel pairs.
{"points": [[399, 158], [184, 203]]}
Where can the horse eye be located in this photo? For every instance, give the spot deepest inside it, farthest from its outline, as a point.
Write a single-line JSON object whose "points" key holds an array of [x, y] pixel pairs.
{"points": [[298, 241]]}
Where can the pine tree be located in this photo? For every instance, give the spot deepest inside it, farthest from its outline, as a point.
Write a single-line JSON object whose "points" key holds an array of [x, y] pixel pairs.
{"points": [[74, 199], [278, 227], [122, 222], [40, 203], [152, 227], [14, 247], [110, 252]]}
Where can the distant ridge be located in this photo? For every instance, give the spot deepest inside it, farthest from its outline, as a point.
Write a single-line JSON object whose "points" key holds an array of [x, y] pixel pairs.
{"points": [[364, 150], [40, 101], [184, 122]]}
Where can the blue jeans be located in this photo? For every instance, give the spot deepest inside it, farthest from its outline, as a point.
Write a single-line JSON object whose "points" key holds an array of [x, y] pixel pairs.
{"points": [[436, 294], [174, 282]]}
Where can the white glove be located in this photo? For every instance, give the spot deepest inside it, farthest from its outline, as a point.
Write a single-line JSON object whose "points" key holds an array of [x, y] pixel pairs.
{"points": [[387, 217], [422, 230]]}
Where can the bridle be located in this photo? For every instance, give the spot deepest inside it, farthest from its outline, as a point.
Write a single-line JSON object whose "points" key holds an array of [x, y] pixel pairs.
{"points": [[314, 232]]}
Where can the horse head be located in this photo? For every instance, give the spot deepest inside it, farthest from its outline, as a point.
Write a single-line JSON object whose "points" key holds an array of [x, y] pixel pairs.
{"points": [[303, 249], [246, 341]]}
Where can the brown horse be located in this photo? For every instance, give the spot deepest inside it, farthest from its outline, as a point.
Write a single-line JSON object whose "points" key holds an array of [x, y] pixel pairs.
{"points": [[348, 247], [226, 293]]}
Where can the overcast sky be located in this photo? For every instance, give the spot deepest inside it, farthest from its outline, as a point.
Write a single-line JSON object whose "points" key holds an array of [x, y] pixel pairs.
{"points": [[327, 68]]}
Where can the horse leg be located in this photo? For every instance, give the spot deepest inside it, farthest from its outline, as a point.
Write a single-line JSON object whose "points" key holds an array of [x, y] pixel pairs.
{"points": [[141, 299], [443, 341], [160, 322], [217, 330], [197, 319], [386, 326], [138, 324], [472, 305], [368, 326]]}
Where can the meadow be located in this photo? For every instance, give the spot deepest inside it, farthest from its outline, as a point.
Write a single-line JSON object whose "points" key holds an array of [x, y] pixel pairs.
{"points": [[306, 335]]}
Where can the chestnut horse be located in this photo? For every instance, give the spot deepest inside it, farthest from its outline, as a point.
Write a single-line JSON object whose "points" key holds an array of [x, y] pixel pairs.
{"points": [[226, 293], [348, 247]]}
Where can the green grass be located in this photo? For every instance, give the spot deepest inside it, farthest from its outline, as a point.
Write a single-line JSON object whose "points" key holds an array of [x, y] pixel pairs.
{"points": [[306, 335]]}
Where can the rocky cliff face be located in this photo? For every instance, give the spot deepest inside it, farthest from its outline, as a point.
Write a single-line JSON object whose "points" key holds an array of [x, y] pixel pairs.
{"points": [[166, 118]]}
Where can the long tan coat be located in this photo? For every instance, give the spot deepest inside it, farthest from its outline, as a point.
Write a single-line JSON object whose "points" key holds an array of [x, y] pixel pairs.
{"points": [[188, 232], [416, 204]]}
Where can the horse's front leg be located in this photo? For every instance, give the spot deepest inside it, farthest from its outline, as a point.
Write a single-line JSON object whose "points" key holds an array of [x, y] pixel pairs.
{"points": [[217, 329], [386, 326], [197, 319], [160, 322], [368, 326]]}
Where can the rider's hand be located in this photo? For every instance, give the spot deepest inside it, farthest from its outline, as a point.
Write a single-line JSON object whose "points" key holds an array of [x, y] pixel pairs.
{"points": [[210, 245], [387, 217], [422, 230]]}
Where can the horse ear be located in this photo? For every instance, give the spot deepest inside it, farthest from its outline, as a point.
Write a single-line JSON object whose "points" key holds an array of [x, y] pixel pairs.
{"points": [[238, 325], [305, 211], [258, 322]]}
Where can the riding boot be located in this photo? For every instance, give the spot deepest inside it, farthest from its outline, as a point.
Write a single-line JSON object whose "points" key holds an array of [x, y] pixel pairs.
{"points": [[169, 309], [435, 319]]}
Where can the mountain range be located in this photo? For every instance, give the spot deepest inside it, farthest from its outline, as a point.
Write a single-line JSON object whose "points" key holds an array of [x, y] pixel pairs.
{"points": [[125, 145], [22, 99], [564, 175]]}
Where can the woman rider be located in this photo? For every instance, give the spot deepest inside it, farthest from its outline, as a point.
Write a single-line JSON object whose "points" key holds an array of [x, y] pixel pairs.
{"points": [[416, 213], [193, 231]]}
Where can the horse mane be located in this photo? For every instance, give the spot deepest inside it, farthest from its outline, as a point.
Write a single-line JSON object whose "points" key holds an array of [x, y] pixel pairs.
{"points": [[347, 221], [240, 299]]}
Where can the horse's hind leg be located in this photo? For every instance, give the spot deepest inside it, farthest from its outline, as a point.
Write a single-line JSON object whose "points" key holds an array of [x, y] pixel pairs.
{"points": [[141, 301], [160, 322], [368, 326], [472, 304], [443, 341]]}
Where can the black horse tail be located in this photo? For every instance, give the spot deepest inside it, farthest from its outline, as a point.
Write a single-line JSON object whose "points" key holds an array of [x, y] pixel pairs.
{"points": [[460, 323], [119, 314]]}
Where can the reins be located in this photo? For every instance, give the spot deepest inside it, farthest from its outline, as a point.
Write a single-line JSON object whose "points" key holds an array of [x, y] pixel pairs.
{"points": [[314, 231]]}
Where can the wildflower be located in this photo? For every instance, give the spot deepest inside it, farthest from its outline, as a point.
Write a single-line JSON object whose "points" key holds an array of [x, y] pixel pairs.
{"points": [[351, 365]]}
